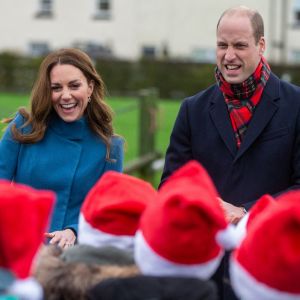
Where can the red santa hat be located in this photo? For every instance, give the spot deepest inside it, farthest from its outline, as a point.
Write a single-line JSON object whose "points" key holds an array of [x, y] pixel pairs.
{"points": [[24, 218], [111, 211], [292, 196], [262, 205], [266, 265], [181, 233]]}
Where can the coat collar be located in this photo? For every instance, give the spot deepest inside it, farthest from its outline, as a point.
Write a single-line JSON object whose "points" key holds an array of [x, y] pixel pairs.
{"points": [[261, 117], [69, 130]]}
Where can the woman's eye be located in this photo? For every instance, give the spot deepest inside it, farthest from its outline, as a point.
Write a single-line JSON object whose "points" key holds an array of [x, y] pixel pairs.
{"points": [[74, 86], [55, 88]]}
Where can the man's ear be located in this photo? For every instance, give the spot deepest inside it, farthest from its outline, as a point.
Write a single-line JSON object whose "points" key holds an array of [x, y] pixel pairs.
{"points": [[262, 45]]}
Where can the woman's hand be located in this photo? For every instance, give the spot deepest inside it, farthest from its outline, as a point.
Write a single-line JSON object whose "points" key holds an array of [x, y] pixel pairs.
{"points": [[63, 238]]}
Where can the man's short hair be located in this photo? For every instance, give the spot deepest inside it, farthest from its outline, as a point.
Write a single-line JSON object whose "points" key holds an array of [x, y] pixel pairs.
{"points": [[255, 17]]}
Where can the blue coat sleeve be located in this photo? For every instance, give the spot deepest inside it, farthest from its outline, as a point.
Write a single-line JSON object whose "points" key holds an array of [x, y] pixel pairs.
{"points": [[116, 155], [9, 151]]}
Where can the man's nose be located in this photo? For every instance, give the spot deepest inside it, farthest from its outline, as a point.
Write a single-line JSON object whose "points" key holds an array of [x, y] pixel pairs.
{"points": [[230, 53]]}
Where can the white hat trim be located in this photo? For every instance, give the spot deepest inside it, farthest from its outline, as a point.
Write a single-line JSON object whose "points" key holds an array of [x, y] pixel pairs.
{"points": [[89, 235], [26, 289], [151, 263], [249, 288], [241, 228]]}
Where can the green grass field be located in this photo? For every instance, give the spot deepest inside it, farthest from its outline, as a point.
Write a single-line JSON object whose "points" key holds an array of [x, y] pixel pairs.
{"points": [[125, 123]]}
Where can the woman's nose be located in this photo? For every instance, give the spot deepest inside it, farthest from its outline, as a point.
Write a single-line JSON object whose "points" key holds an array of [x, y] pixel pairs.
{"points": [[66, 93]]}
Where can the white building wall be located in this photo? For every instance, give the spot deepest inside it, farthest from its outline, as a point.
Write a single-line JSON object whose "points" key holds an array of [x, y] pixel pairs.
{"points": [[186, 28]]}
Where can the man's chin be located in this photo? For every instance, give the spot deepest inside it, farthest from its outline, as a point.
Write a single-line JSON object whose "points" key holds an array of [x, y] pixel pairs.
{"points": [[234, 79]]}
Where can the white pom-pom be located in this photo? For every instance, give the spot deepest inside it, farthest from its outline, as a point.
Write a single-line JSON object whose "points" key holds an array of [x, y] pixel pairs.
{"points": [[27, 289], [228, 238]]}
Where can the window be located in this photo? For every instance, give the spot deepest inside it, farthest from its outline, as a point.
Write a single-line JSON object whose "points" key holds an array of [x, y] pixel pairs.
{"points": [[103, 9], [148, 52], [104, 5], [205, 55], [45, 9], [296, 12], [94, 50], [38, 48], [297, 16], [294, 56]]}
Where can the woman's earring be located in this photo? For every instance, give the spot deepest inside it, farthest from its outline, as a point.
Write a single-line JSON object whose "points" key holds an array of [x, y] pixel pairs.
{"points": [[89, 99]]}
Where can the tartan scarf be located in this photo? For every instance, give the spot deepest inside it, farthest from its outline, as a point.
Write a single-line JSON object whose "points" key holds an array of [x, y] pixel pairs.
{"points": [[242, 98]]}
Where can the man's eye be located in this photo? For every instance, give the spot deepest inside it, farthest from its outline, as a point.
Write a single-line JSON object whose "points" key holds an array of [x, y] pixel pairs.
{"points": [[222, 46]]}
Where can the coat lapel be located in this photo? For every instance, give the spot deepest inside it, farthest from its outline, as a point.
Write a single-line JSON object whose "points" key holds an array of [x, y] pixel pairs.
{"points": [[221, 120], [262, 115]]}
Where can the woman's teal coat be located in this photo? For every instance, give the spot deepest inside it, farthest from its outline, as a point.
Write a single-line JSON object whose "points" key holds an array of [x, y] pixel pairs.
{"points": [[68, 160]]}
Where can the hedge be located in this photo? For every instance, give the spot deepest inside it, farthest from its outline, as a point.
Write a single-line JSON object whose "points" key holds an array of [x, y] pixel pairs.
{"points": [[174, 79]]}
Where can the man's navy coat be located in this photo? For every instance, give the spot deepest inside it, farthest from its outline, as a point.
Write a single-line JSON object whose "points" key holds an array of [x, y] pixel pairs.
{"points": [[268, 160]]}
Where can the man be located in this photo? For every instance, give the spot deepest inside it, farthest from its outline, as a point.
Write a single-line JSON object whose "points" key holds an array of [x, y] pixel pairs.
{"points": [[244, 129]]}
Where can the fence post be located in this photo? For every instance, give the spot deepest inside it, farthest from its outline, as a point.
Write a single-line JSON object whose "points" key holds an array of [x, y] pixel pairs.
{"points": [[148, 127]]}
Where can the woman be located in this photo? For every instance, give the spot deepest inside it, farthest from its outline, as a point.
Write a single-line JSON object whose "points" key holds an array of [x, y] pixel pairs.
{"points": [[66, 141]]}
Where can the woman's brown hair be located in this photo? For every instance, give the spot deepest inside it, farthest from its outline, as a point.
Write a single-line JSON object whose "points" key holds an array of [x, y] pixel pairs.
{"points": [[98, 113]]}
